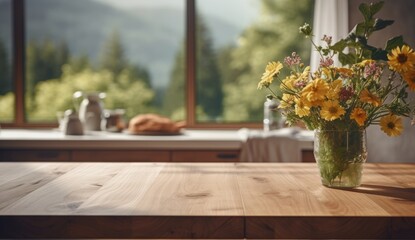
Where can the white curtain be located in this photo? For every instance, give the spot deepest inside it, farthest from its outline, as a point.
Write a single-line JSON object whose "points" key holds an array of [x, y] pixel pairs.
{"points": [[330, 18]]}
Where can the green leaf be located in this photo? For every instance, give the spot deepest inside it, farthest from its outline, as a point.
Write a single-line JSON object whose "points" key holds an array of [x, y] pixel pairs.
{"points": [[370, 48], [339, 46], [376, 7], [358, 30], [346, 59], [362, 41], [365, 10], [367, 54], [325, 52], [394, 42], [381, 24], [380, 54]]}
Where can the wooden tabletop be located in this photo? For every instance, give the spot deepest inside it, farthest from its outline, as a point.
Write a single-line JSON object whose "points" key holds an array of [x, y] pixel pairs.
{"points": [[202, 200]]}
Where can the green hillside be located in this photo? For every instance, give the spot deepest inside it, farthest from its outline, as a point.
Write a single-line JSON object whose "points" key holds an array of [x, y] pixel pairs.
{"points": [[148, 35]]}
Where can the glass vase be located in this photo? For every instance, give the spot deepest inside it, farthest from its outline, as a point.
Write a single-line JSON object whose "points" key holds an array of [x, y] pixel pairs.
{"points": [[340, 155]]}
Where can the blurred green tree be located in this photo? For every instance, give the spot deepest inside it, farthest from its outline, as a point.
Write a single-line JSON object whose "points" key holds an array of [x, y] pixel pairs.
{"points": [[174, 97], [5, 77], [113, 59], [112, 54], [126, 85], [123, 91], [7, 107], [274, 36], [209, 92], [43, 62], [80, 63]]}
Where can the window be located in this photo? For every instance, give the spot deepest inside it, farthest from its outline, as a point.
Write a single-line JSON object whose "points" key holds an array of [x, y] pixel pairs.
{"points": [[6, 84], [186, 59], [126, 49], [234, 40]]}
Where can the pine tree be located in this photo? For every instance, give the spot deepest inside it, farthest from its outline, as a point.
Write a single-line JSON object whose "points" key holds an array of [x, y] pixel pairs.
{"points": [[174, 97], [113, 59], [274, 36], [209, 92], [5, 78], [44, 61], [112, 54]]}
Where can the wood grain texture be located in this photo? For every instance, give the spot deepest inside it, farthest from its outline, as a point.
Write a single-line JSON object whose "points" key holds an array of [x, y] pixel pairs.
{"points": [[189, 189], [121, 195], [66, 193], [294, 189], [202, 200], [9, 171], [39, 176], [288, 201]]}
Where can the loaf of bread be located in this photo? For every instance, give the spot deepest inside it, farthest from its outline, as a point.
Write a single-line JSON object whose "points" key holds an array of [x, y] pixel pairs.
{"points": [[146, 123]]}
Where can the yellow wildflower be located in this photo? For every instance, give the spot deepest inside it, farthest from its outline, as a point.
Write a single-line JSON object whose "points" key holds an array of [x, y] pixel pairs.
{"points": [[410, 79], [331, 110], [366, 62], [327, 74], [296, 80], [401, 59], [317, 103], [288, 83], [302, 107], [315, 90], [266, 80], [272, 69], [305, 74], [368, 97], [287, 100], [359, 115], [391, 125], [334, 89]]}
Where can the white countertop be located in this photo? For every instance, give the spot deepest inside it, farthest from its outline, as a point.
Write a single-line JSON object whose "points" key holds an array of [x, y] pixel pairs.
{"points": [[190, 139]]}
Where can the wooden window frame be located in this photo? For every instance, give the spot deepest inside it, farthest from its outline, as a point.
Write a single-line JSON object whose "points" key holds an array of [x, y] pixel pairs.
{"points": [[18, 76]]}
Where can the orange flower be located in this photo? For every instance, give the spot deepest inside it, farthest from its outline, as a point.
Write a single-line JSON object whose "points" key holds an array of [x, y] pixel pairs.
{"points": [[359, 115], [345, 72], [331, 110], [410, 79], [368, 97]]}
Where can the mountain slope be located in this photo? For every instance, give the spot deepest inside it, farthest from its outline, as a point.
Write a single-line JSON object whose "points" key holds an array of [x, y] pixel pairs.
{"points": [[151, 37]]}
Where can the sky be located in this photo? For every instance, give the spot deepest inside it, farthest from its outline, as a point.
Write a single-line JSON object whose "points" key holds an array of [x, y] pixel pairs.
{"points": [[238, 12]]}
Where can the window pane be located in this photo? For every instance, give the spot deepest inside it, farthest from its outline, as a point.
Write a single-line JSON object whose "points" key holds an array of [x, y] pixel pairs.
{"points": [[235, 40], [6, 84], [131, 50]]}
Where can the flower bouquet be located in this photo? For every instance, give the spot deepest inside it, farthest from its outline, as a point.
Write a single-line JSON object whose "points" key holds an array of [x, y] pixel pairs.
{"points": [[371, 87]]}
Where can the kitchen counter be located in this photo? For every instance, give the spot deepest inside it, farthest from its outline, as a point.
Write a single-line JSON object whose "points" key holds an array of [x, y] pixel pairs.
{"points": [[189, 139], [202, 200], [190, 145]]}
